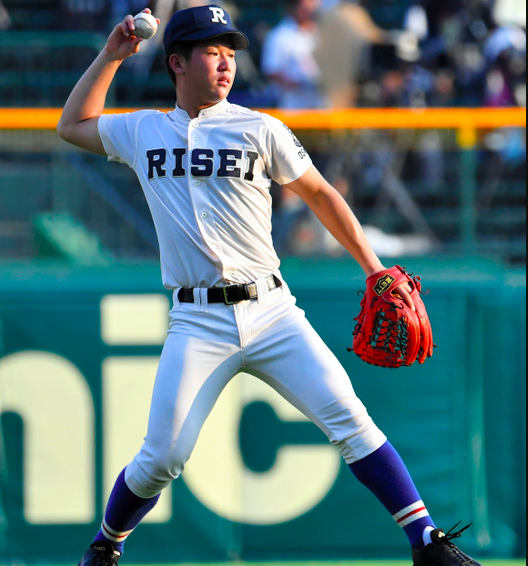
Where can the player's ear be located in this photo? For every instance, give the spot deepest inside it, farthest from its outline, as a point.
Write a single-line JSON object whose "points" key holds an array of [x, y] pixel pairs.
{"points": [[178, 64]]}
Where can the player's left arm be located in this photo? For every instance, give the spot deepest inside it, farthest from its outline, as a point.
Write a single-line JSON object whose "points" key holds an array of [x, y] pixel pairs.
{"points": [[333, 211]]}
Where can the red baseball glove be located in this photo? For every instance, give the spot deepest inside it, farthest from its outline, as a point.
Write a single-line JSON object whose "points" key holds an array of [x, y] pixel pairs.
{"points": [[389, 333]]}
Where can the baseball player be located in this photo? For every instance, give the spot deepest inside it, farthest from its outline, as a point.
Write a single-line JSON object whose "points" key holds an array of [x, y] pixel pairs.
{"points": [[206, 169]]}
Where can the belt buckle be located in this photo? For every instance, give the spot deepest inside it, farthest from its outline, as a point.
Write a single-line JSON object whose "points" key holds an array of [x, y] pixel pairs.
{"points": [[226, 298]]}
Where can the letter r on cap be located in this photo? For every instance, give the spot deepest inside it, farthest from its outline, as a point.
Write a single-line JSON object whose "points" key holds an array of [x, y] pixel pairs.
{"points": [[218, 15]]}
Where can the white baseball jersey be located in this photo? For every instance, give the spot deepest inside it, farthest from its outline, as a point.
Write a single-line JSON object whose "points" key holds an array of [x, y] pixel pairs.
{"points": [[207, 182]]}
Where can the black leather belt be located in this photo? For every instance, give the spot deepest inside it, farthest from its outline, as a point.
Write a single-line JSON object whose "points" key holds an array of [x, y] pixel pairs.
{"points": [[232, 294]]}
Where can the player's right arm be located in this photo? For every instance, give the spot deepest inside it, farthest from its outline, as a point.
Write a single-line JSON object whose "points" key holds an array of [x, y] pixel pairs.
{"points": [[79, 121]]}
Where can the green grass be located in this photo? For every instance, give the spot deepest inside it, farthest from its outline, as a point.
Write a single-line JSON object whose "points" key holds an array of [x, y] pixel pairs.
{"points": [[341, 563], [355, 563]]}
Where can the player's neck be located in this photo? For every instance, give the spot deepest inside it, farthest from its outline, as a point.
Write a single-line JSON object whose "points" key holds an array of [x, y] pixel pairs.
{"points": [[191, 106]]}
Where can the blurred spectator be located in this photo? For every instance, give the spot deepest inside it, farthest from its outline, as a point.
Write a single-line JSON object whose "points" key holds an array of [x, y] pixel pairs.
{"points": [[445, 26], [510, 13], [346, 31], [438, 56], [288, 57], [388, 14], [85, 14], [5, 20], [505, 52]]}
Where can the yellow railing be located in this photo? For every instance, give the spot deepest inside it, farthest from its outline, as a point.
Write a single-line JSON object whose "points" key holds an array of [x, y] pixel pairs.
{"points": [[444, 118], [466, 122]]}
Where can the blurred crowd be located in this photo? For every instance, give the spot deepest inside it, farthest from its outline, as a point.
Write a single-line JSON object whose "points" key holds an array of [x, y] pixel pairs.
{"points": [[350, 53], [335, 53], [345, 53]]}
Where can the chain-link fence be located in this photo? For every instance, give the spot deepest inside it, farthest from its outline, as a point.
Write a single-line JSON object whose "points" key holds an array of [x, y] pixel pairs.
{"points": [[434, 182]]}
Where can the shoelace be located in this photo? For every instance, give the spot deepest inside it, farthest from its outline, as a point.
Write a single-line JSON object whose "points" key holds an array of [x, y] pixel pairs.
{"points": [[451, 535], [448, 537]]}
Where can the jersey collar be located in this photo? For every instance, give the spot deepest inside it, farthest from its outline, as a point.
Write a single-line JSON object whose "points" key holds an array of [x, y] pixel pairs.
{"points": [[207, 113]]}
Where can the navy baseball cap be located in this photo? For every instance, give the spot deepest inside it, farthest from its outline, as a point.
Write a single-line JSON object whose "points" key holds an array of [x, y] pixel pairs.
{"points": [[200, 24]]}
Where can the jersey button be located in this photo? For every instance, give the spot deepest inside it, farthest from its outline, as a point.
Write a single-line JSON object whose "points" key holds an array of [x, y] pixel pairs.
{"points": [[197, 184], [205, 215]]}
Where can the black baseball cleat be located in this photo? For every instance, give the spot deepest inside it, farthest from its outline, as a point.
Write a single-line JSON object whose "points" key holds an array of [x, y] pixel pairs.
{"points": [[442, 552], [100, 554]]}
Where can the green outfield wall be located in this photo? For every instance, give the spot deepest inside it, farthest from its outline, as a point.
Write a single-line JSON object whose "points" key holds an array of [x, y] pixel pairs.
{"points": [[78, 354]]}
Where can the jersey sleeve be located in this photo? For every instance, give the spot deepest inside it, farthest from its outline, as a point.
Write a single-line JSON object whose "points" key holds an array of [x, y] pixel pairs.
{"points": [[119, 136], [287, 158]]}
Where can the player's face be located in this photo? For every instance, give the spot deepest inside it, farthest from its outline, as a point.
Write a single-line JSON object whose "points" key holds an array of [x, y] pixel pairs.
{"points": [[212, 70]]}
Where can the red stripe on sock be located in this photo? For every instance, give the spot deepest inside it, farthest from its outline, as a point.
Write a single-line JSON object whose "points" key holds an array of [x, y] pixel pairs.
{"points": [[412, 513], [112, 536]]}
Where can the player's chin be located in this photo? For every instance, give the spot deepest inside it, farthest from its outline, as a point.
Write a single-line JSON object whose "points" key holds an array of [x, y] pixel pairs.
{"points": [[223, 88]]}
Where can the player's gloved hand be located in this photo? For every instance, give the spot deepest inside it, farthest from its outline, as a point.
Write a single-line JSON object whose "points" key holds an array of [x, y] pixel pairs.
{"points": [[390, 333], [122, 43]]}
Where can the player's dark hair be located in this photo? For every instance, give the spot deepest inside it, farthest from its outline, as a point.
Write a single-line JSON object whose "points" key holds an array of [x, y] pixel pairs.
{"points": [[182, 49]]}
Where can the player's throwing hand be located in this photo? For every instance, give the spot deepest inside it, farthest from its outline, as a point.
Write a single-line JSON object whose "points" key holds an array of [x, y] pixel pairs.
{"points": [[122, 43]]}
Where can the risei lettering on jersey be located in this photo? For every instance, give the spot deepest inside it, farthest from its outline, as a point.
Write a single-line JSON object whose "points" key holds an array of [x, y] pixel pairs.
{"points": [[202, 163]]}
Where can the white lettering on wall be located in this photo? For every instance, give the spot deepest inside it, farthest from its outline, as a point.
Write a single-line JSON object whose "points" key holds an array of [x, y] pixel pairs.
{"points": [[54, 401]]}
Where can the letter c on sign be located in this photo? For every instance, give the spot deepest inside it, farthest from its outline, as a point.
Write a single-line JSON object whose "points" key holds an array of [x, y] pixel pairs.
{"points": [[218, 478]]}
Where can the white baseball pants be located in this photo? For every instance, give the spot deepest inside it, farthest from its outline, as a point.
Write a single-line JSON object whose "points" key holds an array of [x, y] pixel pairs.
{"points": [[271, 339]]}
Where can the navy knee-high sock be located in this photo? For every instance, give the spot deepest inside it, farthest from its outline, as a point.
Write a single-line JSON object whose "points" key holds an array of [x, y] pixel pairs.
{"points": [[124, 512], [386, 476]]}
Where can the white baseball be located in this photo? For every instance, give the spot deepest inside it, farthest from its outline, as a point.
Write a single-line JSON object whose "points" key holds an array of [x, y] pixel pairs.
{"points": [[146, 25]]}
